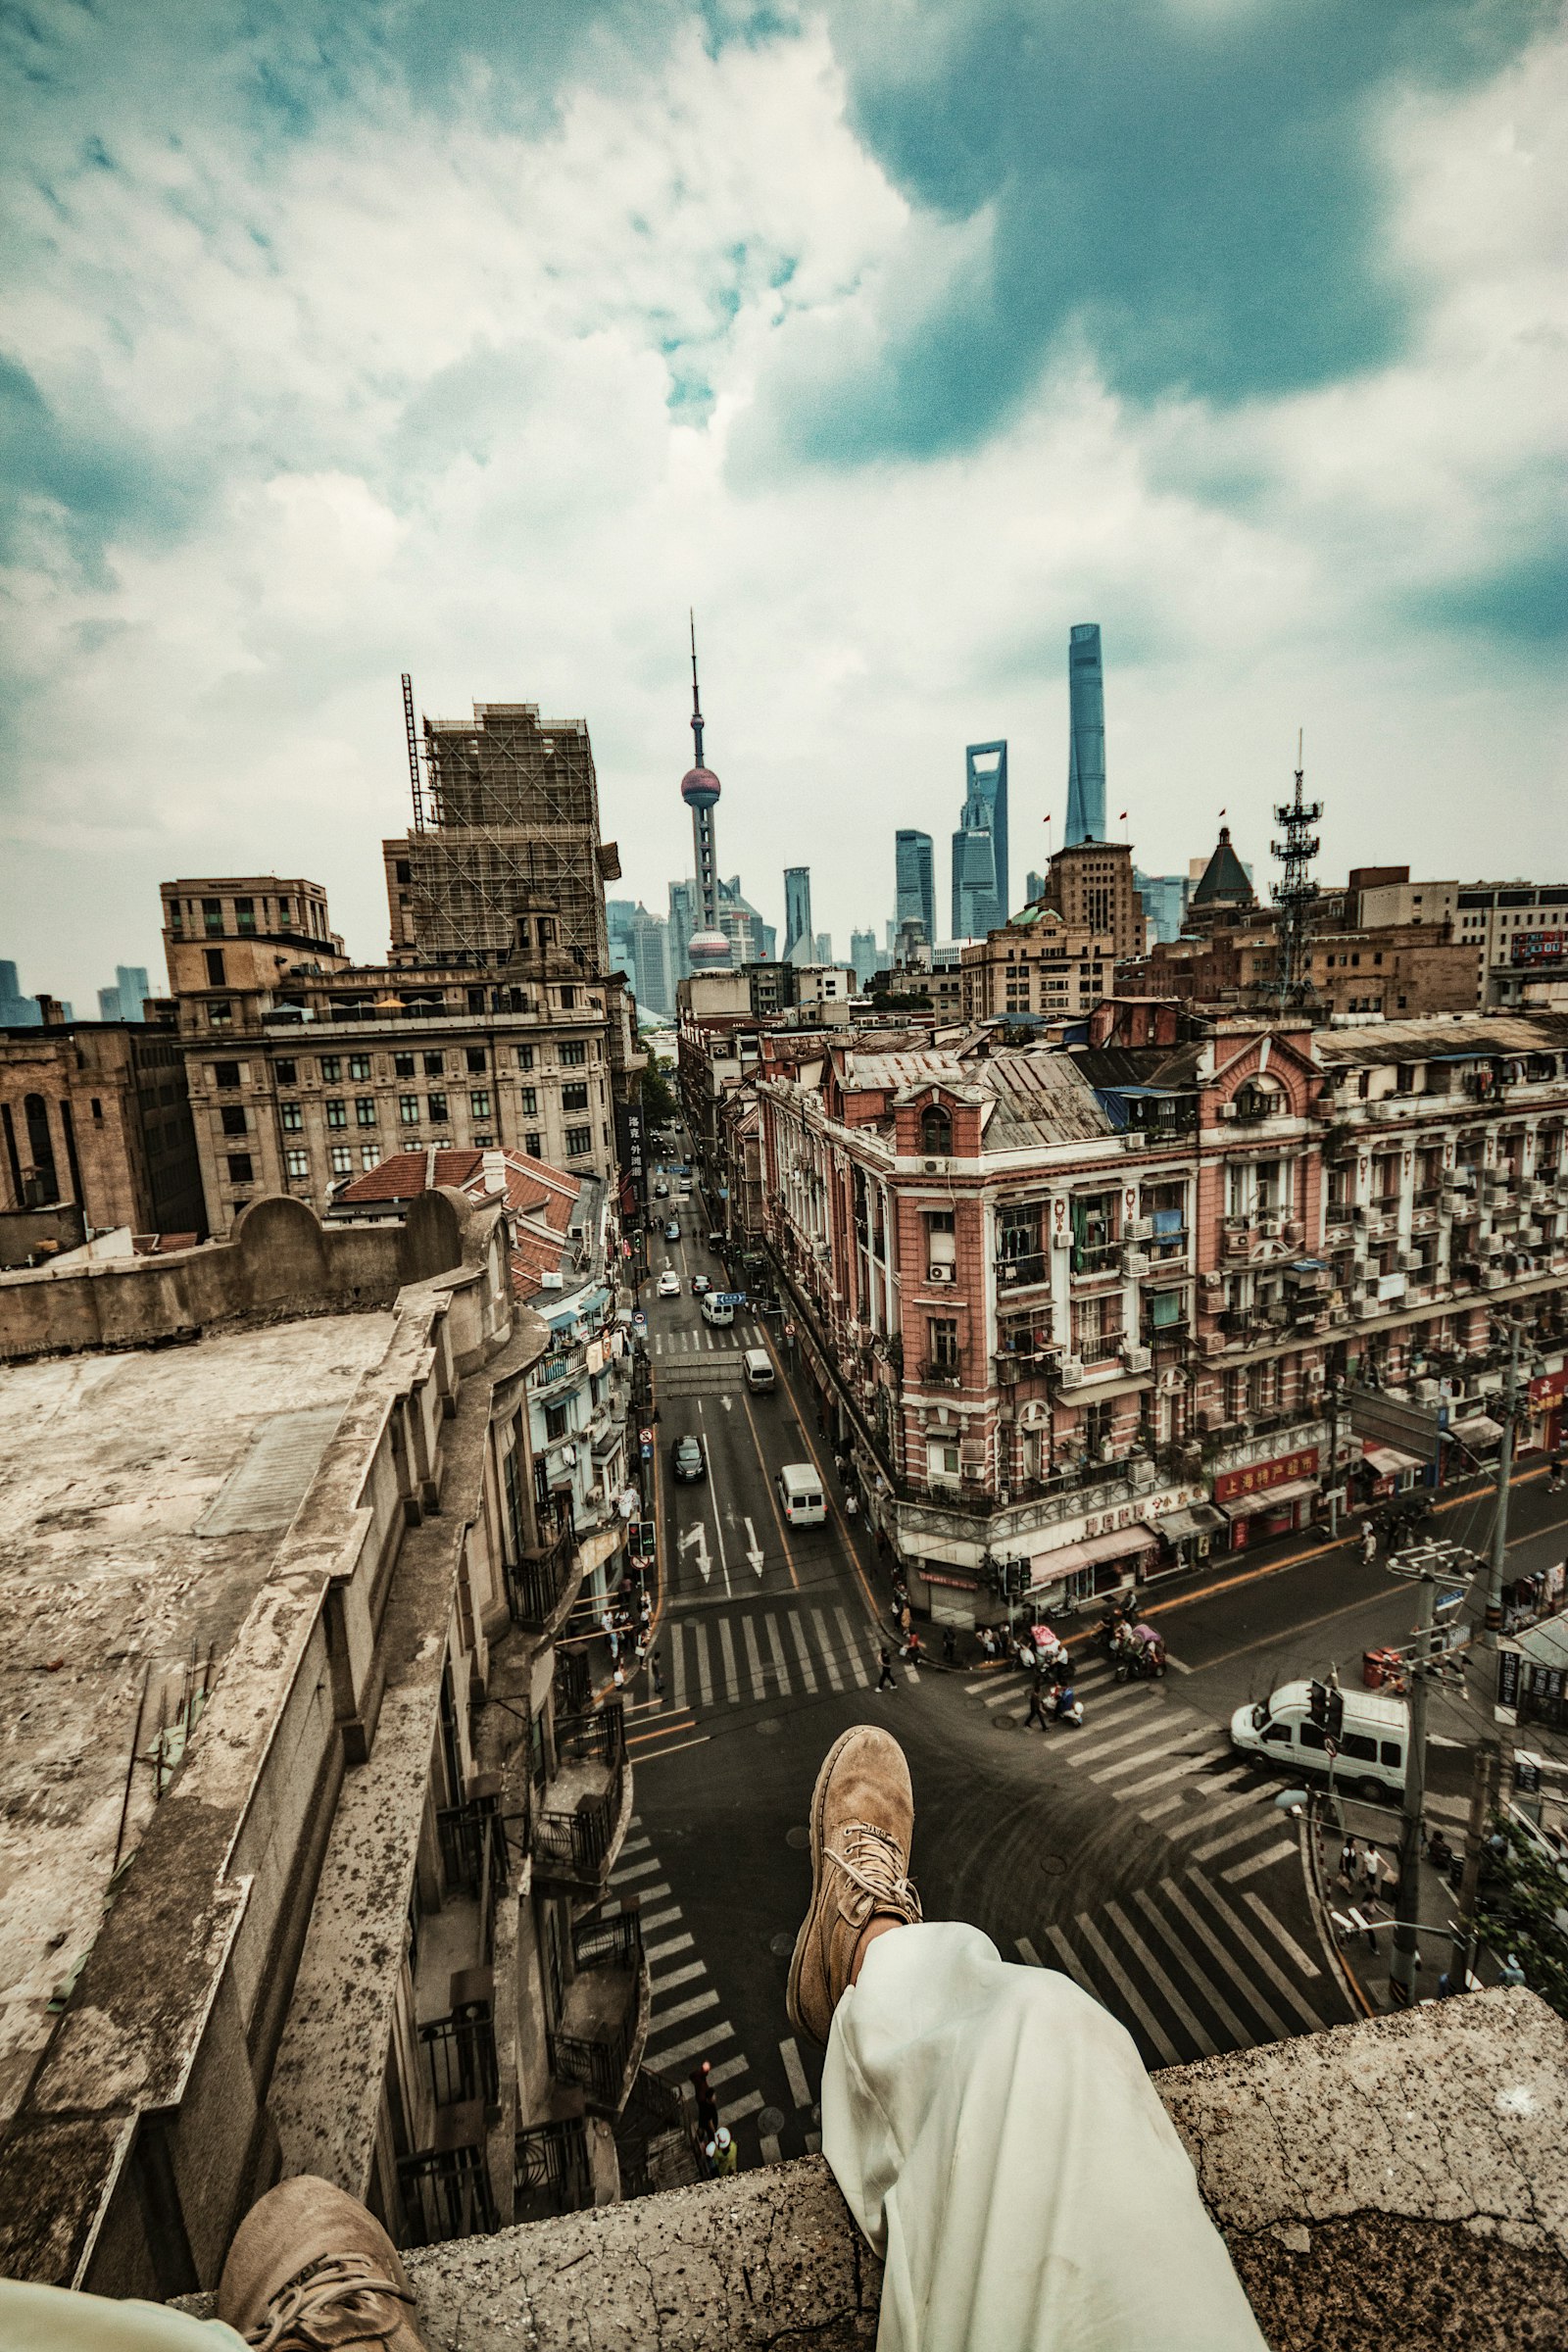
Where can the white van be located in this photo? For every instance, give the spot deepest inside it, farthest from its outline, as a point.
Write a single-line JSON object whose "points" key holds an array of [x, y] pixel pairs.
{"points": [[718, 1309], [759, 1368], [800, 1492], [1372, 1742]]}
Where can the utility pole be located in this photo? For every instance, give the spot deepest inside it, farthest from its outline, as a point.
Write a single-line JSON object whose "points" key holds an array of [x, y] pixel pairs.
{"points": [[1492, 1776], [1492, 1625], [1333, 1459], [1407, 1907]]}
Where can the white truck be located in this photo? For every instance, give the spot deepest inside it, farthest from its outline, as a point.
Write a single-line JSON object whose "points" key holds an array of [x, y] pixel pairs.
{"points": [[1365, 1753]]}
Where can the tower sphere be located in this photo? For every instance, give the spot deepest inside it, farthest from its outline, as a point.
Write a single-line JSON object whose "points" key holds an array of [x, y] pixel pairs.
{"points": [[699, 788], [706, 950]]}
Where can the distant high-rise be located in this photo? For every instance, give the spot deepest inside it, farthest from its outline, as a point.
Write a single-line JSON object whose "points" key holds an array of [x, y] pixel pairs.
{"points": [[1164, 897], [1034, 887], [980, 845], [124, 1002], [17, 1011], [824, 947], [800, 940], [863, 955], [1086, 753], [752, 940], [638, 946], [915, 883]]}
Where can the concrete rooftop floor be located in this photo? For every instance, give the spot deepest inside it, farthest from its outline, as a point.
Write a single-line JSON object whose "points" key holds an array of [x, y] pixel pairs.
{"points": [[145, 1495]]}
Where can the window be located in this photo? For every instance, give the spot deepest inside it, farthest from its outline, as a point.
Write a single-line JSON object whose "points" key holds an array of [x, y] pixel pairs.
{"points": [[936, 1132], [369, 1154], [436, 1110], [232, 1116], [526, 1057], [342, 1160], [479, 1103], [579, 1142], [569, 999], [225, 1073], [554, 1422], [1279, 1732], [477, 1057], [337, 1111], [297, 1162], [1359, 1748], [215, 968], [530, 1101], [941, 1458], [942, 1337], [574, 1098], [403, 1065], [285, 1073], [332, 1068], [220, 1014], [573, 1054], [292, 1117], [213, 917], [403, 871], [1391, 1754], [240, 1167], [435, 1065], [409, 1110], [245, 916], [97, 1109], [1312, 1734], [359, 1066], [364, 1111], [532, 1143]]}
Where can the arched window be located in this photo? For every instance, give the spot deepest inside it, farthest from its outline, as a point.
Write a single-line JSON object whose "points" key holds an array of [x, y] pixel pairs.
{"points": [[936, 1132], [1255, 1101], [42, 1181]]}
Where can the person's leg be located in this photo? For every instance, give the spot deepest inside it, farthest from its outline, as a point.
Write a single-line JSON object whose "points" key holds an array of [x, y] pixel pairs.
{"points": [[52, 2318], [991, 2129]]}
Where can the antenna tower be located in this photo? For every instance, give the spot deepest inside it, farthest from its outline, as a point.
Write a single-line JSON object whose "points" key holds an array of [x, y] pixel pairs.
{"points": [[1295, 893], [413, 732]]}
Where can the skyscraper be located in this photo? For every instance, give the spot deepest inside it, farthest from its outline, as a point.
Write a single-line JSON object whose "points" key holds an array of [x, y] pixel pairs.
{"points": [[915, 883], [124, 1002], [1086, 753], [800, 940], [862, 954], [980, 845], [708, 949]]}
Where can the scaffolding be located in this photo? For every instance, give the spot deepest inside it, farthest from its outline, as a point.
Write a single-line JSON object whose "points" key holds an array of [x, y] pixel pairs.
{"points": [[1295, 893], [506, 824]]}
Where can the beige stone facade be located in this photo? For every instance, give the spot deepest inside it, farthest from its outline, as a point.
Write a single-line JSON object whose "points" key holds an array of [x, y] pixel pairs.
{"points": [[96, 1113], [1038, 964], [1091, 887]]}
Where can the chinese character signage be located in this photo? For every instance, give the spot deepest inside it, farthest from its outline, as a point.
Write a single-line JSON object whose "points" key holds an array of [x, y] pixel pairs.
{"points": [[1259, 1477]]}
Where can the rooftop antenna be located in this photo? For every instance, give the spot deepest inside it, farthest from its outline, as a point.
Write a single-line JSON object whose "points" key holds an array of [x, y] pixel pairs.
{"points": [[1296, 892], [412, 733], [697, 707]]}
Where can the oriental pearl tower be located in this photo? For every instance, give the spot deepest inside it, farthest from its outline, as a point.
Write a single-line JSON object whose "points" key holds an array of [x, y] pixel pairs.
{"points": [[707, 950]]}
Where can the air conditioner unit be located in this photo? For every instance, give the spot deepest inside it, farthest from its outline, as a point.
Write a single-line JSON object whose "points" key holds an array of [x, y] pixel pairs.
{"points": [[1449, 1204], [1229, 1110], [1141, 1229], [1072, 1371], [933, 1167], [1137, 1359], [1007, 1270], [1061, 1239], [942, 1273], [1135, 1262], [1492, 1278], [1268, 1224]]}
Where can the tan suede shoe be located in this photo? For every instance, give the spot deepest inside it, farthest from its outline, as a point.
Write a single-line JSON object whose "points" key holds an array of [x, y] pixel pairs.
{"points": [[309, 2269], [863, 1820]]}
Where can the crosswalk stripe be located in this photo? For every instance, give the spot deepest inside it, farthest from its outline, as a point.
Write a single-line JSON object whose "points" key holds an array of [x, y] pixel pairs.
{"points": [[1282, 1936], [826, 1650], [655, 1894], [1223, 1811], [732, 1680], [1072, 1964], [682, 2011], [1160, 1926], [1250, 1997], [668, 1949], [726, 2072], [1256, 1952], [634, 1870], [786, 1689], [1095, 1748], [1153, 1970], [669, 1978], [1258, 1826], [677, 1662], [695, 2047], [1232, 1779], [853, 1650], [705, 1680], [1153, 1754], [1161, 1779], [635, 1845], [1027, 1953], [1008, 1689], [800, 2087], [747, 2104], [767, 2147], [912, 1674], [1163, 2045], [808, 1675], [1256, 1862], [969, 1688], [754, 1659]]}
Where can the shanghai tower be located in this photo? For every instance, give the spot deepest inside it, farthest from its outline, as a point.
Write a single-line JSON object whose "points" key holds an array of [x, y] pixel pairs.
{"points": [[1085, 758]]}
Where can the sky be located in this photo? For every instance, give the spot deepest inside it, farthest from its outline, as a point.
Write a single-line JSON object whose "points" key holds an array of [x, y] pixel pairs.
{"points": [[347, 337]]}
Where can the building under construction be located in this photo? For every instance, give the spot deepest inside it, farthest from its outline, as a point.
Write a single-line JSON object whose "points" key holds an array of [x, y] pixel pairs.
{"points": [[506, 821]]}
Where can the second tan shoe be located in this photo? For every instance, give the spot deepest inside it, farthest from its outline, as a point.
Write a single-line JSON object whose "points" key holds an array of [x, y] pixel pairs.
{"points": [[863, 1821], [310, 2269]]}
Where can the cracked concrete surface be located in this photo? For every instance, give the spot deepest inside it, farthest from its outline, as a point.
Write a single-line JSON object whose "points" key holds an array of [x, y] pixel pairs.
{"points": [[1401, 2184]]}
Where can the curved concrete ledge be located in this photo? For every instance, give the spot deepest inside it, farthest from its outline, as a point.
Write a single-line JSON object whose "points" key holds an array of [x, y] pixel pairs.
{"points": [[1403, 2182]]}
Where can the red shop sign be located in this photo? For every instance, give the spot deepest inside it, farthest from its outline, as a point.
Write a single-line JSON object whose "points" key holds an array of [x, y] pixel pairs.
{"points": [[1259, 1477], [1549, 1388]]}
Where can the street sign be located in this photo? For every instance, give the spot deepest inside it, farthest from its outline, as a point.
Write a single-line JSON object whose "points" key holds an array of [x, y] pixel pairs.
{"points": [[728, 1297], [1393, 1421]]}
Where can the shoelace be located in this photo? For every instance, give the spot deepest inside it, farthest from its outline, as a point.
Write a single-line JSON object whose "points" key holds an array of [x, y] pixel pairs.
{"points": [[873, 1862], [328, 2293]]}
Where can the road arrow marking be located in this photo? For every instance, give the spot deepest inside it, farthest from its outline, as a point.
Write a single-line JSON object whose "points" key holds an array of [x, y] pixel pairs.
{"points": [[754, 1556], [697, 1535], [728, 1402]]}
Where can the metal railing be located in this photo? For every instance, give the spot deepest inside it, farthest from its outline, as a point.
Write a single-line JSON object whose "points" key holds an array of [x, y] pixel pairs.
{"points": [[460, 2053], [1096, 1257], [534, 1585], [574, 1844], [598, 2063], [573, 1681], [550, 2171], [446, 2193], [943, 1375], [596, 1736], [1028, 1266], [616, 1943]]}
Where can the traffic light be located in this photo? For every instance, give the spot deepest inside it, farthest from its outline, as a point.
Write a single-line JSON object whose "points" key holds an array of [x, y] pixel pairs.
{"points": [[1335, 1723], [1318, 1704]]}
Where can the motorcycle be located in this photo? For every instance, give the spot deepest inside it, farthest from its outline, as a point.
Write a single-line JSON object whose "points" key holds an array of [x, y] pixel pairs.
{"points": [[1142, 1659], [1068, 1709], [1116, 1621]]}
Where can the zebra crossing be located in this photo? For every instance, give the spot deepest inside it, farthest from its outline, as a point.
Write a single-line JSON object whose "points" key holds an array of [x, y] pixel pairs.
{"points": [[685, 2020], [749, 1656], [706, 1339]]}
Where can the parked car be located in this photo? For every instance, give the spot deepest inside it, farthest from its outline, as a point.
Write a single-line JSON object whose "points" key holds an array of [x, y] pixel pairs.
{"points": [[688, 1460], [701, 1286], [660, 1189], [673, 1230], [670, 1283]]}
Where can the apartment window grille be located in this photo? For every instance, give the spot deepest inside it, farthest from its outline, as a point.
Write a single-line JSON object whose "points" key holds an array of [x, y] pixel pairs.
{"points": [[942, 1334]]}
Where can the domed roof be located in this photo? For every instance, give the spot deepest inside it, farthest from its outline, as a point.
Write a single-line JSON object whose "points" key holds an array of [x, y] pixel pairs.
{"points": [[707, 947], [699, 787]]}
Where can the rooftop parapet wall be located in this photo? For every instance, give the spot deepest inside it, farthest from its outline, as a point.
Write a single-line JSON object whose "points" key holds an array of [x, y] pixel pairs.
{"points": [[1399, 2184], [280, 1263]]}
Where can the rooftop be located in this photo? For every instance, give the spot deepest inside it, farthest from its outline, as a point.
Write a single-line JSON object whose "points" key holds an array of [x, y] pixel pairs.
{"points": [[1445, 1037], [146, 1494]]}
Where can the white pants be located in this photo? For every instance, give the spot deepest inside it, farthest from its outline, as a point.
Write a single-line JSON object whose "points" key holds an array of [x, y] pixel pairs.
{"points": [[1000, 2144]]}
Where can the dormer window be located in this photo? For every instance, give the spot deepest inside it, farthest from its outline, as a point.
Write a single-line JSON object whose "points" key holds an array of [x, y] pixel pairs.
{"points": [[936, 1132]]}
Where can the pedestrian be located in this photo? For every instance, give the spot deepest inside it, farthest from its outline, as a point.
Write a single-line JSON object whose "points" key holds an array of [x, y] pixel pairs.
{"points": [[723, 2156], [905, 1620], [914, 1648], [707, 2099], [1554, 1484], [1347, 1861], [1512, 1973], [658, 1674], [1374, 1872], [851, 1504], [949, 1646], [1037, 1712], [884, 1681], [1369, 1542]]}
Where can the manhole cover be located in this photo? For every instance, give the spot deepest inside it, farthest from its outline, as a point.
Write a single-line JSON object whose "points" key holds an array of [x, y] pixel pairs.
{"points": [[768, 1724], [771, 2122], [1052, 1865], [799, 1836], [781, 1945], [1004, 1723]]}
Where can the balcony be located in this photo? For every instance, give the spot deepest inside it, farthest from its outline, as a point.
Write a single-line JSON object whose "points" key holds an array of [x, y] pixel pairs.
{"points": [[582, 1818], [542, 1584], [444, 2188], [1100, 1347], [943, 1375], [1093, 1260], [598, 2044], [1017, 1273], [551, 2172]]}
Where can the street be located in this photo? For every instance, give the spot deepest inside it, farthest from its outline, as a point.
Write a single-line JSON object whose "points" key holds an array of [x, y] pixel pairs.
{"points": [[1139, 1854]]}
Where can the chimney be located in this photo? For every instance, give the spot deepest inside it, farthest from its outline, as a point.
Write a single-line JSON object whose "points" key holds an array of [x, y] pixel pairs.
{"points": [[494, 1172]]}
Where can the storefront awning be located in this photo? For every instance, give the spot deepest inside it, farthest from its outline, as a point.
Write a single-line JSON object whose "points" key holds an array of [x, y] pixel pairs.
{"points": [[1479, 1429], [1272, 1498], [1201, 1520], [1048, 1567], [1388, 1460]]}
